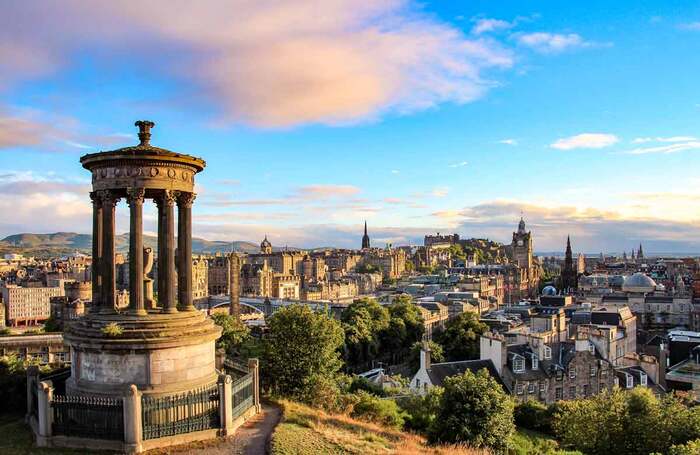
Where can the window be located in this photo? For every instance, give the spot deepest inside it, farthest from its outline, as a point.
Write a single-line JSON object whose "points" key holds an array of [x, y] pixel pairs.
{"points": [[558, 393], [603, 371], [585, 390], [518, 364], [572, 391], [630, 381], [643, 379], [591, 348], [542, 386], [593, 370], [519, 389], [531, 387], [547, 352], [572, 372], [535, 362]]}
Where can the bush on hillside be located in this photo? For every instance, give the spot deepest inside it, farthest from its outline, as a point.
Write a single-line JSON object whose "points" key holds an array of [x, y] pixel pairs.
{"points": [[377, 410], [421, 410], [535, 416]]}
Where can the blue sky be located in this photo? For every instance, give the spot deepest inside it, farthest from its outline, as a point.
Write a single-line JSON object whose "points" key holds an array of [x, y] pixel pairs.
{"points": [[314, 116]]}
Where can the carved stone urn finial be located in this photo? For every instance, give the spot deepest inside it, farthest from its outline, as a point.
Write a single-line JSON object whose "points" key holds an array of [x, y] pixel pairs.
{"points": [[145, 131]]}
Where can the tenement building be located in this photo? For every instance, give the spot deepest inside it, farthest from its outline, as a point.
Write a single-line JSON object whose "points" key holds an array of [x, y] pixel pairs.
{"points": [[27, 305]]}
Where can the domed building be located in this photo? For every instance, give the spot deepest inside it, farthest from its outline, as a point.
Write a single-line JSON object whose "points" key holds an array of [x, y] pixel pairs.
{"points": [[549, 290], [639, 283]]}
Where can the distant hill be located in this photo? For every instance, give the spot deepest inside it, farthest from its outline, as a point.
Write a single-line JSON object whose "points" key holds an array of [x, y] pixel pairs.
{"points": [[61, 243]]}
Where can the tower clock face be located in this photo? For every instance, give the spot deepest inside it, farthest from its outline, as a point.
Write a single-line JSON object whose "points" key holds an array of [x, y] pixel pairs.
{"points": [[520, 243]]}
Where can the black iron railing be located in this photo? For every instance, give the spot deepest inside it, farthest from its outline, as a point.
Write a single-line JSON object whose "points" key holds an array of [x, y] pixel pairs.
{"points": [[242, 392], [88, 417], [177, 414]]}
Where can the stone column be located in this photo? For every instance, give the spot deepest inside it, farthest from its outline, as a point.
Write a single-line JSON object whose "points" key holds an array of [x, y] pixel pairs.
{"points": [[45, 396], [166, 251], [253, 366], [96, 250], [135, 199], [226, 404], [107, 261], [184, 248], [133, 424]]}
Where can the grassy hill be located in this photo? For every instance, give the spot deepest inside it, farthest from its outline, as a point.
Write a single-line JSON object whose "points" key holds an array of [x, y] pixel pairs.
{"points": [[62, 243], [308, 431]]}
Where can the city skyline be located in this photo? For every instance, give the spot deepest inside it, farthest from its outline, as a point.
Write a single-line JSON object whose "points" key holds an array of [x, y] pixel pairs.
{"points": [[313, 118]]}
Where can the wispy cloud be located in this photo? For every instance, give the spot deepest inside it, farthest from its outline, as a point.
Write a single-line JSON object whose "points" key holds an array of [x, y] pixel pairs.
{"points": [[585, 140], [642, 140], [508, 142], [551, 43], [441, 191], [460, 164], [484, 25], [670, 148], [268, 64], [694, 26], [395, 171]]}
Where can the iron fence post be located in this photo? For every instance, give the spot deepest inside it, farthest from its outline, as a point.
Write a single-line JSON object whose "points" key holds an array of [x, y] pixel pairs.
{"points": [[253, 367]]}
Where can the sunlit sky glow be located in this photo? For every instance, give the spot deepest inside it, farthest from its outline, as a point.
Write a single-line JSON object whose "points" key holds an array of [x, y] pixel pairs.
{"points": [[418, 117]]}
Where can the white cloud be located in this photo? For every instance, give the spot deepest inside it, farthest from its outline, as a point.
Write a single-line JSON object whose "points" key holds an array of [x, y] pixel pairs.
{"points": [[642, 140], [485, 25], [585, 140], [395, 171], [671, 148], [508, 142], [551, 43], [460, 164], [264, 63]]}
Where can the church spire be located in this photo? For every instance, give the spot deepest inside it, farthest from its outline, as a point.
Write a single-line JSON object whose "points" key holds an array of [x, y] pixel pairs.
{"points": [[365, 238]]}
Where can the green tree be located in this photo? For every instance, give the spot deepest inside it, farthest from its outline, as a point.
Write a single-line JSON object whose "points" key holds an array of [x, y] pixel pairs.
{"points": [[301, 350], [362, 321], [52, 325], [234, 333], [634, 421], [436, 354], [689, 448], [460, 339], [457, 251], [475, 410], [421, 410]]}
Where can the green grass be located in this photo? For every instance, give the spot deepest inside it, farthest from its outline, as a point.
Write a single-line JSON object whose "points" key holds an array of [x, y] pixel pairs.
{"points": [[16, 439], [527, 442]]}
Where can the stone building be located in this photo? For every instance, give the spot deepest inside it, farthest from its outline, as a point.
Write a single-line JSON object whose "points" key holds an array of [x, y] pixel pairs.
{"points": [[27, 305], [391, 261], [256, 280], [548, 372], [44, 348], [286, 286], [218, 279], [200, 278]]}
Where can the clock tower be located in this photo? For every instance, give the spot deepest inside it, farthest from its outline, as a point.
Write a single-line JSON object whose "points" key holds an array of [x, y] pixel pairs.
{"points": [[522, 246]]}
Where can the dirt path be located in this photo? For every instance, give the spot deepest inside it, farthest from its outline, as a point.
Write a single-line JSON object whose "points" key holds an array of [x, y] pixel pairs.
{"points": [[250, 439]]}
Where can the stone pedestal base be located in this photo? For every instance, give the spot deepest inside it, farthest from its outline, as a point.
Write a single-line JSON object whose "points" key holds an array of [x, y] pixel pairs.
{"points": [[159, 353]]}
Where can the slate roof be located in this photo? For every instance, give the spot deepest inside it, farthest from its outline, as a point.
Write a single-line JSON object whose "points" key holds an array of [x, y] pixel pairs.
{"points": [[636, 373], [438, 372]]}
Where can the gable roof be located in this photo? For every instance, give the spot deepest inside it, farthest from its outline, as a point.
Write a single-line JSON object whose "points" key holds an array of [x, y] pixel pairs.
{"points": [[438, 372]]}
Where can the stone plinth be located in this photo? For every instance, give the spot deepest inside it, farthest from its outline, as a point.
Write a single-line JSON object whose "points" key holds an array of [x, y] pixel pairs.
{"points": [[159, 353]]}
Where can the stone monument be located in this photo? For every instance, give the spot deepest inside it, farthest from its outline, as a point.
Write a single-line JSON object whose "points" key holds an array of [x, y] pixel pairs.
{"points": [[162, 347]]}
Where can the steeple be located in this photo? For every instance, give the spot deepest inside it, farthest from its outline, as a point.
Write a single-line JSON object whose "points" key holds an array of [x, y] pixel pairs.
{"points": [[365, 238], [568, 275], [640, 253]]}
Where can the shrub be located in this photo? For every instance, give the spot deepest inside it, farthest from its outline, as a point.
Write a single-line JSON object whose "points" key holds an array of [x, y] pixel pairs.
{"points": [[359, 383], [112, 330], [535, 416], [421, 410], [689, 448], [374, 409]]}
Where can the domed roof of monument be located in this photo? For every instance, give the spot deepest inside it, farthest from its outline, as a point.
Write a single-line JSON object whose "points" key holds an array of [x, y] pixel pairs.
{"points": [[639, 282], [549, 290], [143, 150]]}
